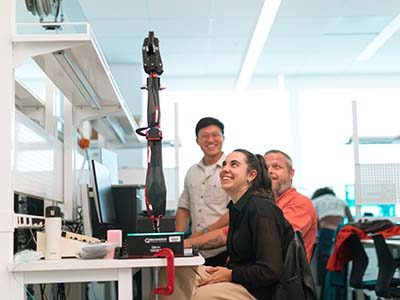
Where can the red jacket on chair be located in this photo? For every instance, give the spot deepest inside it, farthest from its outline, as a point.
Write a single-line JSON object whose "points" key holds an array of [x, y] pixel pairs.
{"points": [[342, 254]]}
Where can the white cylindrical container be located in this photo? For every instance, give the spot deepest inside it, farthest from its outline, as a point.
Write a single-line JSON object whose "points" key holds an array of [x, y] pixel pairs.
{"points": [[53, 233]]}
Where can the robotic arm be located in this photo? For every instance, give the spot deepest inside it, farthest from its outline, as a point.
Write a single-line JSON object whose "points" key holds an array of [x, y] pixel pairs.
{"points": [[155, 190]]}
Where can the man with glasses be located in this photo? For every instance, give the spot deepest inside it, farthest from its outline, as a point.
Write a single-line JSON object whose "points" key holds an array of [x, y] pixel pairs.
{"points": [[203, 201]]}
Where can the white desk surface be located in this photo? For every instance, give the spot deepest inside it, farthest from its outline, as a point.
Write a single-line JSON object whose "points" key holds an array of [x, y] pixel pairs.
{"points": [[83, 264], [79, 270]]}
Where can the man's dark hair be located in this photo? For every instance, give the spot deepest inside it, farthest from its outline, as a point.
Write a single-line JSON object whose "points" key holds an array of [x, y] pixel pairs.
{"points": [[323, 191], [205, 122]]}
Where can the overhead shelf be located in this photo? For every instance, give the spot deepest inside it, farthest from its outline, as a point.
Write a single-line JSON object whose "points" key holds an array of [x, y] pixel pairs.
{"points": [[71, 57], [25, 98], [28, 103]]}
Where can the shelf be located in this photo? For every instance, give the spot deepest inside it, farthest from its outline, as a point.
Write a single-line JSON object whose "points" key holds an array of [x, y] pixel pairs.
{"points": [[25, 98], [28, 103], [71, 57]]}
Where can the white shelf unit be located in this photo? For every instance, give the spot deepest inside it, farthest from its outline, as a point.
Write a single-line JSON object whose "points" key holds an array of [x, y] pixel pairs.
{"points": [[25, 98], [28, 103], [375, 183], [70, 56]]}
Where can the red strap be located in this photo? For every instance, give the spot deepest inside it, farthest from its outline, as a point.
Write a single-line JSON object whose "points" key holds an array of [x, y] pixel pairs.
{"points": [[169, 288]]}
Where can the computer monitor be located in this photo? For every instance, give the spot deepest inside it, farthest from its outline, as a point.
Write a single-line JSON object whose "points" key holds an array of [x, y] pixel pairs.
{"points": [[106, 206], [103, 196]]}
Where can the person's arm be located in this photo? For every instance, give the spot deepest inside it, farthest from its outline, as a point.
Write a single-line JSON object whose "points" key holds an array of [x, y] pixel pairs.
{"points": [[220, 223], [181, 219], [182, 216], [348, 214], [210, 240]]}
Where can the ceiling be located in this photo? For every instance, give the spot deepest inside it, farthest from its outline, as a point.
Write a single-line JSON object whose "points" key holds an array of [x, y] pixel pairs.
{"points": [[203, 43]]}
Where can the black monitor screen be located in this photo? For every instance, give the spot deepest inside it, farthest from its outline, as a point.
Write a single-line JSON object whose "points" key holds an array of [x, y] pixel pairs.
{"points": [[103, 196]]}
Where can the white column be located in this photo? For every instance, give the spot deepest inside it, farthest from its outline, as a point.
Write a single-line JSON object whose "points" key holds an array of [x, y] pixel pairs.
{"points": [[69, 159], [7, 87], [50, 119], [296, 139], [357, 170]]}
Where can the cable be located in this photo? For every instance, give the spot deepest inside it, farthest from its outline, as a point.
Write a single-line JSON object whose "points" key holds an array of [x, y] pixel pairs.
{"points": [[68, 290], [42, 288], [93, 293], [28, 293]]}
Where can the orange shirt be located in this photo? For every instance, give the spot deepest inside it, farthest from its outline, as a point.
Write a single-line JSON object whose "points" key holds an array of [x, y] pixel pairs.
{"points": [[301, 214]]}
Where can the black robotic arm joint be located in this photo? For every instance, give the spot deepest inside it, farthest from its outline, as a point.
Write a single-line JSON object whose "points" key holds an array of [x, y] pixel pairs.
{"points": [[152, 63]]}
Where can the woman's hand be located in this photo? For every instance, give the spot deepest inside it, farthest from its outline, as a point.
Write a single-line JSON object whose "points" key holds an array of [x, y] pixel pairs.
{"points": [[218, 274]]}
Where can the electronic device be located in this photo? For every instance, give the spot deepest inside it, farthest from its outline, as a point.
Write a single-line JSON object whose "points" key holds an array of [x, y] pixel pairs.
{"points": [[147, 244], [28, 221], [79, 237], [127, 205], [103, 197], [28, 217], [70, 243], [106, 206]]}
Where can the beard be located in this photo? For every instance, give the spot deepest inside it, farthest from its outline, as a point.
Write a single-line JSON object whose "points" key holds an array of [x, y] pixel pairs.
{"points": [[279, 188]]}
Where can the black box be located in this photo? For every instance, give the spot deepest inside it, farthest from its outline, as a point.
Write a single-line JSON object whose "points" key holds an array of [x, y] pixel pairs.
{"points": [[127, 207], [145, 224], [147, 244]]}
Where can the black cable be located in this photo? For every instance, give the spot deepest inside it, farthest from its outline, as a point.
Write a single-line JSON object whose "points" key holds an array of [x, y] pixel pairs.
{"points": [[60, 291], [43, 291], [86, 291]]}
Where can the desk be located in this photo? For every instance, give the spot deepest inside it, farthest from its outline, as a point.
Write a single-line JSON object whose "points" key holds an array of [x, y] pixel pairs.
{"points": [[391, 241], [78, 270]]}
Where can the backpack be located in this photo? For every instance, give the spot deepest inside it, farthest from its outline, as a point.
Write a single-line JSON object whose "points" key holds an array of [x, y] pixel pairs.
{"points": [[296, 282]]}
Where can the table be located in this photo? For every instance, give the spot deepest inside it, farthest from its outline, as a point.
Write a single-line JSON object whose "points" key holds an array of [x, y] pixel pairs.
{"points": [[78, 270], [391, 241]]}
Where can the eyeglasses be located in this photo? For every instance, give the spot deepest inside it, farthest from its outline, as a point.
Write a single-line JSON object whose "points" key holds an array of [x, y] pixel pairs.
{"points": [[212, 135]]}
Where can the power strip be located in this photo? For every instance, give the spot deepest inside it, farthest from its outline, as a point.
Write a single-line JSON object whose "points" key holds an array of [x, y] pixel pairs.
{"points": [[28, 221], [79, 237]]}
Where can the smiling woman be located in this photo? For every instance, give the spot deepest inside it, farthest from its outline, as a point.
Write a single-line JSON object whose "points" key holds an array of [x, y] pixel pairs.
{"points": [[241, 171], [257, 239]]}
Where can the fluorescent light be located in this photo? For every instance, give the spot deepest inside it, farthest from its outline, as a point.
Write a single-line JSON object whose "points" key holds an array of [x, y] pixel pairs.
{"points": [[380, 39], [78, 78], [369, 140], [260, 35]]}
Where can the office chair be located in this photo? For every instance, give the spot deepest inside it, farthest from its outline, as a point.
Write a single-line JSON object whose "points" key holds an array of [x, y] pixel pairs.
{"points": [[359, 265], [386, 285]]}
